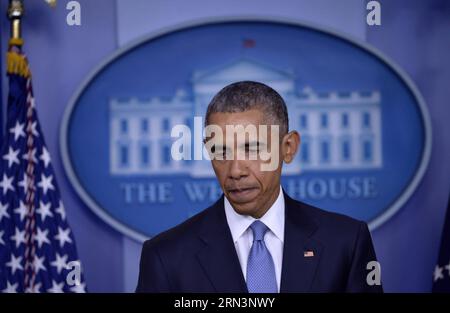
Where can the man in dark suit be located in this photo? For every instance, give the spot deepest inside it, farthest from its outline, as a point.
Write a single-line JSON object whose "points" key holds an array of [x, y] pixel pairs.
{"points": [[256, 238]]}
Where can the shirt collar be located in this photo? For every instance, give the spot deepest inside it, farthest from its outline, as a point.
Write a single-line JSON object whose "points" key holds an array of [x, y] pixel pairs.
{"points": [[273, 219]]}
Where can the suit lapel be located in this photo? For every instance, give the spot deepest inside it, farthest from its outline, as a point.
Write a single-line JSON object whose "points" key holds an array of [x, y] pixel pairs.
{"points": [[218, 256], [220, 262], [301, 253]]}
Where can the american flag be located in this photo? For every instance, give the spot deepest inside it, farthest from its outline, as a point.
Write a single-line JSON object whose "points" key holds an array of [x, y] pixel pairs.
{"points": [[441, 273], [37, 246]]}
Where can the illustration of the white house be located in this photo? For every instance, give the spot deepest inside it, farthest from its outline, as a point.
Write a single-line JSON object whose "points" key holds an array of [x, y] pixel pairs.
{"points": [[339, 130]]}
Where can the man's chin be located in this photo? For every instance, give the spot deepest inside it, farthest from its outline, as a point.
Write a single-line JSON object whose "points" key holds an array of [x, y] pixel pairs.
{"points": [[247, 208]]}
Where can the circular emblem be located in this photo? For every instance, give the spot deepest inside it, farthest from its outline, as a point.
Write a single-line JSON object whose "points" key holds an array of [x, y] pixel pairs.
{"points": [[366, 135]]}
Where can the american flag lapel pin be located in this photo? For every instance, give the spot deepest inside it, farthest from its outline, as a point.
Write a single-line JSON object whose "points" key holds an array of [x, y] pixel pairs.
{"points": [[308, 254]]}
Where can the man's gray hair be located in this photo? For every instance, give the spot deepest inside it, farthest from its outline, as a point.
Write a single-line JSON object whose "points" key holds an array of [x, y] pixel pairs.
{"points": [[246, 95]]}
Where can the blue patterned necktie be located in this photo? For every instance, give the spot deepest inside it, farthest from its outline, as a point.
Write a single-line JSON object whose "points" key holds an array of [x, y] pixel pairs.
{"points": [[260, 268]]}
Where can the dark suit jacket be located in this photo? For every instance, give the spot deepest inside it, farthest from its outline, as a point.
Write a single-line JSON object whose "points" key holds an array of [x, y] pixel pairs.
{"points": [[199, 254]]}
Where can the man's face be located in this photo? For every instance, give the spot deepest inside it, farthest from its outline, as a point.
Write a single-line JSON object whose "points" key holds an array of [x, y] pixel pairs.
{"points": [[250, 190]]}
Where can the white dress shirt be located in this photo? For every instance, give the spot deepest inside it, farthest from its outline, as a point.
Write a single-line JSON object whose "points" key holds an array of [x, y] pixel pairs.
{"points": [[243, 236]]}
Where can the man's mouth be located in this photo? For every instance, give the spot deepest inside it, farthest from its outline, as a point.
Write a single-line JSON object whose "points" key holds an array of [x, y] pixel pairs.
{"points": [[242, 193]]}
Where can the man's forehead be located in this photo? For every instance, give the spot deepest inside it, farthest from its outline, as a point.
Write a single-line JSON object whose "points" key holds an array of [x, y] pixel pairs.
{"points": [[253, 116]]}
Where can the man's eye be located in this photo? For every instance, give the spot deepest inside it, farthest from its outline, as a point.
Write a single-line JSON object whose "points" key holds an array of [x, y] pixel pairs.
{"points": [[218, 152]]}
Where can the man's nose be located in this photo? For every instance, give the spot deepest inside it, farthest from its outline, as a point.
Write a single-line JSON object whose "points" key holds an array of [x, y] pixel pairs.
{"points": [[238, 168]]}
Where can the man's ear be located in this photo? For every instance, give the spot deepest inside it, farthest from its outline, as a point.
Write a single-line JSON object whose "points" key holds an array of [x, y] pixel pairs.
{"points": [[289, 146]]}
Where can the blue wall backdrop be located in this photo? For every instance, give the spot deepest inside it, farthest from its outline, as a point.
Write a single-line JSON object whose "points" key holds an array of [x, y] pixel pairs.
{"points": [[415, 34]]}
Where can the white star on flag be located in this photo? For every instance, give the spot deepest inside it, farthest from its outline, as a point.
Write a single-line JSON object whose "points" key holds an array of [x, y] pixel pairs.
{"points": [[33, 129], [60, 262], [34, 289], [45, 157], [3, 211], [27, 156], [19, 237], [44, 210], [17, 130], [39, 263], [10, 288], [61, 210], [63, 236], [56, 288], [46, 183], [6, 184], [438, 273], [41, 237], [11, 157], [1, 237], [21, 210], [24, 183], [14, 264]]}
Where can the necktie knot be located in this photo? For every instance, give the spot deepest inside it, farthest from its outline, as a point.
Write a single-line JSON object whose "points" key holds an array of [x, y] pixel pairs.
{"points": [[259, 230]]}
